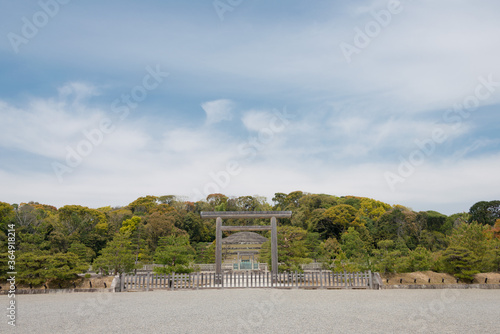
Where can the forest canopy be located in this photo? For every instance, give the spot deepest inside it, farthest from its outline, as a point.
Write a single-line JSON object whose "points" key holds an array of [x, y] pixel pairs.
{"points": [[343, 233]]}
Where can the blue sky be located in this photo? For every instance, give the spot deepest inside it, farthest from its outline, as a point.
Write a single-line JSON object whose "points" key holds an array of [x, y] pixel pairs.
{"points": [[105, 101]]}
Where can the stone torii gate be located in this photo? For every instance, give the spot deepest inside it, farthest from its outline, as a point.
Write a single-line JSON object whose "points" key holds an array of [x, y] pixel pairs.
{"points": [[218, 215]]}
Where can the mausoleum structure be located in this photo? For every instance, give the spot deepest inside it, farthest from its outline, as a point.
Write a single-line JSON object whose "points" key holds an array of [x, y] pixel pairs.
{"points": [[241, 250]]}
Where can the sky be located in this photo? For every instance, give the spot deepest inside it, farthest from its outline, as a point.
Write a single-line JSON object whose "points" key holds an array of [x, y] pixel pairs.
{"points": [[102, 102]]}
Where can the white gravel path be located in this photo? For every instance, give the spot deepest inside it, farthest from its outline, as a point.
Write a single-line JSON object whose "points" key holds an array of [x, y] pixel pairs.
{"points": [[259, 311]]}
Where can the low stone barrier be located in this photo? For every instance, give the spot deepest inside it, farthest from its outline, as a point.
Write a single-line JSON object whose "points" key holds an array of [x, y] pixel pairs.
{"points": [[441, 286], [45, 291]]}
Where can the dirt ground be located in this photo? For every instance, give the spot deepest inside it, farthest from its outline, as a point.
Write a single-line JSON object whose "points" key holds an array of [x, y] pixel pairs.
{"points": [[422, 277]]}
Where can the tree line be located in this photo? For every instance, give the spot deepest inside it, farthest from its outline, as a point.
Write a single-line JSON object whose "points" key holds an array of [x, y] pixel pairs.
{"points": [[344, 233]]}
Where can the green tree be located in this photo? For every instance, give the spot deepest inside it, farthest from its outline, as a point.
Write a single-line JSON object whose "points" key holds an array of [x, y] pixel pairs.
{"points": [[485, 213], [337, 220], [387, 257], [373, 209], [399, 223], [205, 252], [143, 205], [217, 200], [419, 259], [84, 253], [292, 249], [89, 226], [330, 250], [310, 202], [161, 225], [197, 228], [471, 236], [39, 268], [434, 221], [130, 225], [352, 245], [435, 241], [313, 246], [117, 256], [460, 262], [7, 215], [175, 254]]}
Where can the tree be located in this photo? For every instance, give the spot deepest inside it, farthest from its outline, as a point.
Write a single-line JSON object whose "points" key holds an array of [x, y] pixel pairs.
{"points": [[337, 220], [287, 202], [84, 253], [279, 200], [175, 254], [419, 259], [137, 231], [387, 256], [205, 252], [116, 216], [143, 205], [117, 256], [330, 249], [434, 241], [434, 221], [471, 236], [197, 228], [311, 202], [7, 215], [352, 245], [485, 213], [217, 200], [292, 249], [293, 198], [160, 225], [373, 209], [27, 217], [460, 262], [90, 226], [313, 245], [39, 268], [399, 223]]}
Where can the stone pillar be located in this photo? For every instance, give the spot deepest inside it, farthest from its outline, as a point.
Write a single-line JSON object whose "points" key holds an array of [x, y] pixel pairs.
{"points": [[218, 246], [274, 247]]}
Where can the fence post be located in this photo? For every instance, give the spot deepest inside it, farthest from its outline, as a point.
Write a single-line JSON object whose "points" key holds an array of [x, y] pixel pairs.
{"points": [[147, 281], [122, 282]]}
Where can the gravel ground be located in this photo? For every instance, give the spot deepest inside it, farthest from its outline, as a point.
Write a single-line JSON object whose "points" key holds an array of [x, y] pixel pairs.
{"points": [[259, 311]]}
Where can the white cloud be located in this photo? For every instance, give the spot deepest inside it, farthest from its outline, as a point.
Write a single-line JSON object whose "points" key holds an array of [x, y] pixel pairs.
{"points": [[355, 119], [218, 111], [256, 120], [78, 91], [44, 126]]}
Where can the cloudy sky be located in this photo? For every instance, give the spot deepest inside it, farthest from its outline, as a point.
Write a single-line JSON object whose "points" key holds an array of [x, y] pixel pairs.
{"points": [[105, 101]]}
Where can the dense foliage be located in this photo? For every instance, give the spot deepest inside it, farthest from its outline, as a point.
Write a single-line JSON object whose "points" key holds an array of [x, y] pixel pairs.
{"points": [[343, 233]]}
